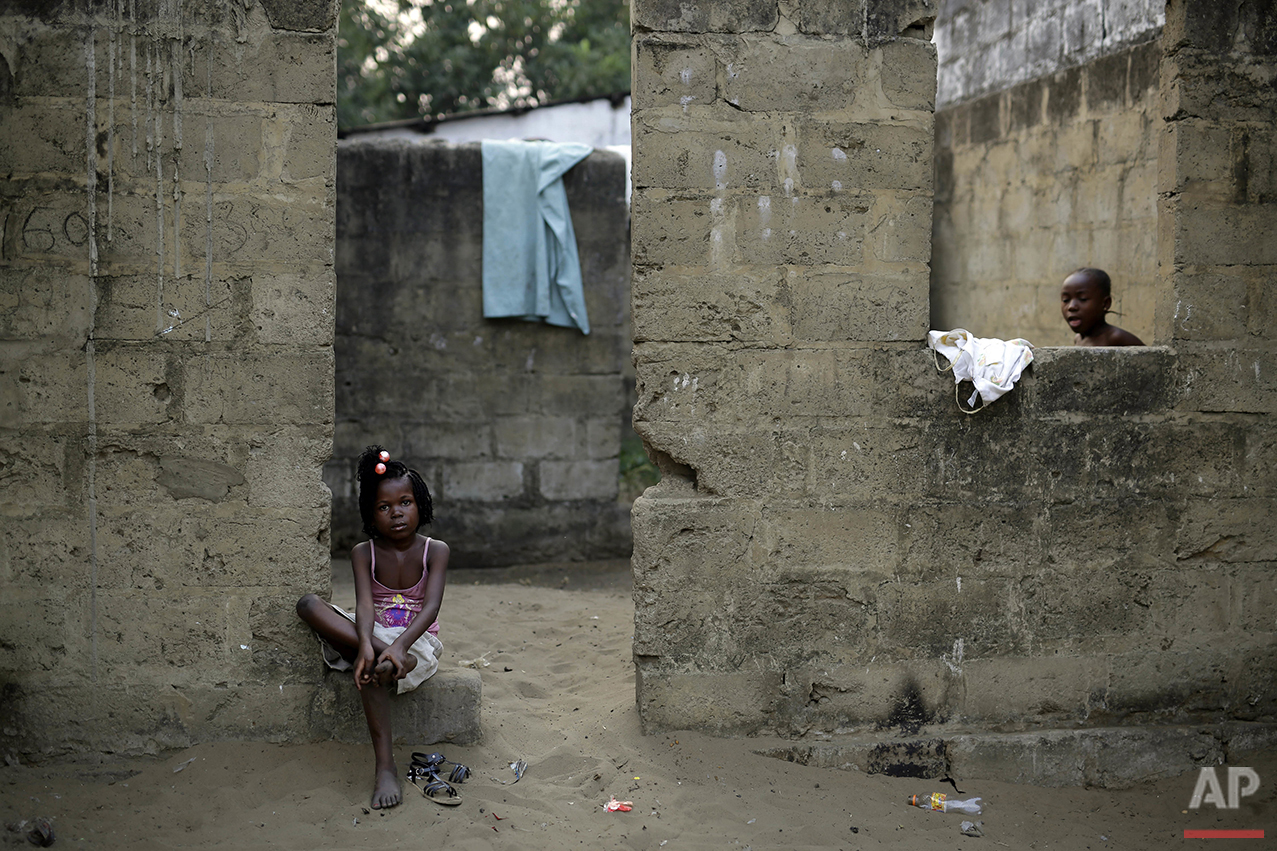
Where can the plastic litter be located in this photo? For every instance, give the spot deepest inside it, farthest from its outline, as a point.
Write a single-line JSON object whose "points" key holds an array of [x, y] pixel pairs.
{"points": [[614, 806], [972, 828], [936, 801], [41, 832]]}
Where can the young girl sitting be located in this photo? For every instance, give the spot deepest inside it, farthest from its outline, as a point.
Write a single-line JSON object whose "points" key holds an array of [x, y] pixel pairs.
{"points": [[392, 638], [1085, 302]]}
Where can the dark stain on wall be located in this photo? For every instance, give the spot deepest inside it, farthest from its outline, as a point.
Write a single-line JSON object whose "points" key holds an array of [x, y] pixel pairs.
{"points": [[909, 711]]}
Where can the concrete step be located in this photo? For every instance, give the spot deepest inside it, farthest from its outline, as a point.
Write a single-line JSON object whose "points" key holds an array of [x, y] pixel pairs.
{"points": [[1105, 757], [445, 708]]}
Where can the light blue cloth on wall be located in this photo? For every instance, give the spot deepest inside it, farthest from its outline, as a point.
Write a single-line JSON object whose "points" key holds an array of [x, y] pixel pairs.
{"points": [[530, 265]]}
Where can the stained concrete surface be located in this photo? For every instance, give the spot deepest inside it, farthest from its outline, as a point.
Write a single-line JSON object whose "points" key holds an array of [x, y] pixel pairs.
{"points": [[834, 549]]}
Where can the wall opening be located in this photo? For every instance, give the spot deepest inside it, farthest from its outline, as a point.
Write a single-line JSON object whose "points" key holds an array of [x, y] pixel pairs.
{"points": [[1046, 160]]}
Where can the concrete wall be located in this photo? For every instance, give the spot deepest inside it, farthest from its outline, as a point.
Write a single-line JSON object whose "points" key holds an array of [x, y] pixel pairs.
{"points": [[987, 46], [601, 122], [835, 549], [515, 426], [1217, 208], [1038, 179], [781, 233], [165, 369]]}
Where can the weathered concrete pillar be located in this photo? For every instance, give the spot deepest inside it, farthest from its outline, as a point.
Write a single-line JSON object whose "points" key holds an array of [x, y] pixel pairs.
{"points": [[1218, 201], [781, 235], [166, 396]]}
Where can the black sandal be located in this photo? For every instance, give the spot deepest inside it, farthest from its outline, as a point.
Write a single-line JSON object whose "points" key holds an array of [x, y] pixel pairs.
{"points": [[439, 791], [435, 788], [433, 763]]}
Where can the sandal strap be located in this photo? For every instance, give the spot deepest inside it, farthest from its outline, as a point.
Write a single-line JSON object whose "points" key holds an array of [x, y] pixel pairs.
{"points": [[437, 786], [422, 769], [432, 759], [427, 764]]}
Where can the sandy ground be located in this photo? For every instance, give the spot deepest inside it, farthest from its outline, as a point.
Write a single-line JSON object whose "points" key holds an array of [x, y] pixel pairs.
{"points": [[559, 692]]}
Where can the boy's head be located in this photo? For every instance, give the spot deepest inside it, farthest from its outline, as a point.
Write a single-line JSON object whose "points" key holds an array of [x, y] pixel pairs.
{"points": [[1085, 297]]}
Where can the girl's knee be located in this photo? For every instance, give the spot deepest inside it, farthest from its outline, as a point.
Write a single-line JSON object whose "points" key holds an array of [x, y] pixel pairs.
{"points": [[308, 604]]}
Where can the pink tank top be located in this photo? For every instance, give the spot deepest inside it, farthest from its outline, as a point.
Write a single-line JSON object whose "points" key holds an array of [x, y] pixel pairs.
{"points": [[394, 607]]}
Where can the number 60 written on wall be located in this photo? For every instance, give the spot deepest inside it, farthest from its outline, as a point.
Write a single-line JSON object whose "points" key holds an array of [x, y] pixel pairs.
{"points": [[45, 230], [40, 231]]}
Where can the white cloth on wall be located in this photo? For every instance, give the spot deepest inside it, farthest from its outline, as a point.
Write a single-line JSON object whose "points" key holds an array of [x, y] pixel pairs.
{"points": [[992, 365]]}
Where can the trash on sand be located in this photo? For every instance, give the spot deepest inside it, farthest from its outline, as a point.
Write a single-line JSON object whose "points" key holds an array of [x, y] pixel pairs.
{"points": [[41, 834], [183, 765], [937, 801], [972, 828], [519, 766], [480, 662], [614, 805]]}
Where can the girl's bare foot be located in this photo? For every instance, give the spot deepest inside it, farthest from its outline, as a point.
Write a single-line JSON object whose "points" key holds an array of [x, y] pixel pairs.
{"points": [[384, 673], [386, 791]]}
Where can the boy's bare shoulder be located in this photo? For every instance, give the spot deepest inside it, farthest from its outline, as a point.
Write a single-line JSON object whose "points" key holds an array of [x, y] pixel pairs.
{"points": [[1109, 336], [1122, 337], [1114, 336]]}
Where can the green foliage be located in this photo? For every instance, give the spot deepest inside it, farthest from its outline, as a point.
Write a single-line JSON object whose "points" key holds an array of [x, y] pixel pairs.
{"points": [[638, 473], [408, 58]]}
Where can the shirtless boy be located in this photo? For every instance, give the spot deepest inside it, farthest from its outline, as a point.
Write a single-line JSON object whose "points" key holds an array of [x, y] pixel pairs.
{"points": [[1085, 299]]}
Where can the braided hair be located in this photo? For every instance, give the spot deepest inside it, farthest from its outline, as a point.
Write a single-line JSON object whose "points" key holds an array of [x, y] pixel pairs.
{"points": [[369, 479]]}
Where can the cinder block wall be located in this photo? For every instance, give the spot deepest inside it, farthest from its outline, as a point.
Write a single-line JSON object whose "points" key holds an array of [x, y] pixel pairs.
{"points": [[834, 547], [1046, 160], [781, 237], [166, 369], [515, 426], [1218, 200]]}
